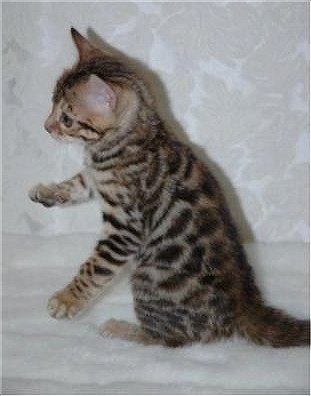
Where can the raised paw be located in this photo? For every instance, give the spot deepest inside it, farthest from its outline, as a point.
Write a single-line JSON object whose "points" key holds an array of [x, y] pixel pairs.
{"points": [[48, 195], [64, 304]]}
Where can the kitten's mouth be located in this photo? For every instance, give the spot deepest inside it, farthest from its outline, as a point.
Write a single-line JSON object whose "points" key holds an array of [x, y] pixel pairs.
{"points": [[57, 135]]}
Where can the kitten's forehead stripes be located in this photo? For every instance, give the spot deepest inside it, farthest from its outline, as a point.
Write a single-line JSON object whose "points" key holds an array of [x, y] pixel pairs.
{"points": [[108, 70]]}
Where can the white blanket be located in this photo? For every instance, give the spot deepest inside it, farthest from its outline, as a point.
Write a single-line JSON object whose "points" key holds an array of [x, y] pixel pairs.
{"points": [[42, 355]]}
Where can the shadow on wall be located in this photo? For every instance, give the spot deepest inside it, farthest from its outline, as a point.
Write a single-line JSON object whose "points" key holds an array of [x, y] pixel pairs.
{"points": [[163, 106]]}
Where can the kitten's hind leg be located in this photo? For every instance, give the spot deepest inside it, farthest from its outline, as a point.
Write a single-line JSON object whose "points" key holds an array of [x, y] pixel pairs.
{"points": [[127, 331], [132, 332]]}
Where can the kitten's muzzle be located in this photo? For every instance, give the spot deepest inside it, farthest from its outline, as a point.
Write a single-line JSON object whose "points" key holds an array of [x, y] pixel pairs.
{"points": [[52, 127]]}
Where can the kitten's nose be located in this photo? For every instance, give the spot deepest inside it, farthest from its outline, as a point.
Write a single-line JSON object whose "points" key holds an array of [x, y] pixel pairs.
{"points": [[47, 126]]}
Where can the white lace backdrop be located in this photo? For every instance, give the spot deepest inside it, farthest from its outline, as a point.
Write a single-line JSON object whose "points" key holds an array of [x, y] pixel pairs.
{"points": [[235, 78]]}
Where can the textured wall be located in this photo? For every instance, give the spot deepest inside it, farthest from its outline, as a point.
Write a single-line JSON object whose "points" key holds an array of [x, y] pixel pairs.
{"points": [[235, 78]]}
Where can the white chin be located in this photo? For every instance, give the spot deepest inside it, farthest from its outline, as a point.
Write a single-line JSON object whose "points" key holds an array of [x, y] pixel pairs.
{"points": [[62, 138]]}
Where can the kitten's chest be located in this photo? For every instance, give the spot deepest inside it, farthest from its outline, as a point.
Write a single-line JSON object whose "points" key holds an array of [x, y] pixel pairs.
{"points": [[111, 188]]}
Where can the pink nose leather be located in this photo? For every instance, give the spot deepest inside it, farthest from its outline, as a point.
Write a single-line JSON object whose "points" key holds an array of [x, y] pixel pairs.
{"points": [[51, 127]]}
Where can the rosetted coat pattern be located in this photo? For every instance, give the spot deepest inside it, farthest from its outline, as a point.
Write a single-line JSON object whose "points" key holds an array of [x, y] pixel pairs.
{"points": [[162, 208]]}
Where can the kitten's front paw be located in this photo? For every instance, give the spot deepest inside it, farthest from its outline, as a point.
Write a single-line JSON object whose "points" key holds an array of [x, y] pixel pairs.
{"points": [[48, 195], [64, 304]]}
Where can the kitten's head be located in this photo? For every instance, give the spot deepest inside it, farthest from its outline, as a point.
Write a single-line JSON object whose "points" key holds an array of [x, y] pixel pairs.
{"points": [[96, 98]]}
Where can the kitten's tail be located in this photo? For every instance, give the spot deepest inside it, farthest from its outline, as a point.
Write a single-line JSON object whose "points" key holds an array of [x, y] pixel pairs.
{"points": [[269, 326]]}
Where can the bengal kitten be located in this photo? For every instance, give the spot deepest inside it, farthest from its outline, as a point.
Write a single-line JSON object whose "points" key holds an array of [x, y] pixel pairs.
{"points": [[162, 209]]}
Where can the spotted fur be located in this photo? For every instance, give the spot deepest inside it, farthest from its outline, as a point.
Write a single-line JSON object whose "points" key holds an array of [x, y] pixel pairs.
{"points": [[162, 209]]}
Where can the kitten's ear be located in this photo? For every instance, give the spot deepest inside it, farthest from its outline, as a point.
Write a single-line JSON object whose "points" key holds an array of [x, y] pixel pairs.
{"points": [[98, 97], [86, 50]]}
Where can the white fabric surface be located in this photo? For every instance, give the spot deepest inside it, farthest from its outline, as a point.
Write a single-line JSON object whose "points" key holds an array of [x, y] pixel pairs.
{"points": [[43, 355]]}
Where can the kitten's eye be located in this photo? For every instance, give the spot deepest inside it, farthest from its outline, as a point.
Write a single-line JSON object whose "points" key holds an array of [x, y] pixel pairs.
{"points": [[66, 120]]}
